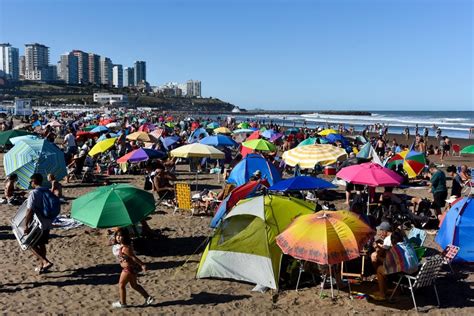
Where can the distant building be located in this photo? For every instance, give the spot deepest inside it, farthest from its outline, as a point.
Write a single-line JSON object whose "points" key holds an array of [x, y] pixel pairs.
{"points": [[140, 72], [129, 77], [44, 74], [83, 65], [117, 76], [112, 99], [36, 56], [170, 89], [94, 68], [183, 88], [9, 62], [68, 68], [193, 88], [22, 67], [106, 71], [22, 107]]}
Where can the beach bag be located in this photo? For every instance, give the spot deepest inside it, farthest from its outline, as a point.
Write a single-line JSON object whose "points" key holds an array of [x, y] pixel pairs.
{"points": [[401, 257], [51, 204]]}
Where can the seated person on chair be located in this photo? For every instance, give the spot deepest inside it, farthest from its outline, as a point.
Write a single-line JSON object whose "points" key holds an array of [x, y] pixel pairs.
{"points": [[381, 245], [12, 197], [56, 187], [162, 185]]}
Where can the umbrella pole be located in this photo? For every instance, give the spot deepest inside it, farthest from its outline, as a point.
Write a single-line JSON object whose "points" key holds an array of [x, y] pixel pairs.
{"points": [[368, 199], [330, 280]]}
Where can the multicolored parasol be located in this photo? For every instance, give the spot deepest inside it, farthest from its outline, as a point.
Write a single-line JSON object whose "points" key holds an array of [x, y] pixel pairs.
{"points": [[413, 162], [259, 144]]}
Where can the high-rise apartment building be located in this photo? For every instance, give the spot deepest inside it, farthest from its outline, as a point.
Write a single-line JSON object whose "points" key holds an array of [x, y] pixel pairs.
{"points": [[94, 68], [68, 70], [9, 62], [117, 76], [129, 77], [106, 71], [22, 67], [193, 88], [83, 65], [36, 56], [140, 72]]}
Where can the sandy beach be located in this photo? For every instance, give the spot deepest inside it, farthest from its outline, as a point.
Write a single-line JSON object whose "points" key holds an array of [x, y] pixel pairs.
{"points": [[85, 274]]}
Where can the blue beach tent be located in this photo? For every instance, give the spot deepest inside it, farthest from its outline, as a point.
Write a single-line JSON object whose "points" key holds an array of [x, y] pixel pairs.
{"points": [[457, 229], [251, 163], [301, 183]]}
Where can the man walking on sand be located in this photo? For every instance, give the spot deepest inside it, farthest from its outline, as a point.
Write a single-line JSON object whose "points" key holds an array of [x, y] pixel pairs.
{"points": [[35, 206]]}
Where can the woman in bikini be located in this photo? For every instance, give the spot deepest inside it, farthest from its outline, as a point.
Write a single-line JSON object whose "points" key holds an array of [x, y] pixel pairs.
{"points": [[131, 265]]}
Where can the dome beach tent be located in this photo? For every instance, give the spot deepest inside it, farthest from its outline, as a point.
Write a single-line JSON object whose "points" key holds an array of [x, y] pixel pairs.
{"points": [[243, 247], [457, 228], [251, 163]]}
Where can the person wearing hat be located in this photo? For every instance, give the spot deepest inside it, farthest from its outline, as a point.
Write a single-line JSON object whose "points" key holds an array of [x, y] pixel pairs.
{"points": [[381, 245], [438, 187]]}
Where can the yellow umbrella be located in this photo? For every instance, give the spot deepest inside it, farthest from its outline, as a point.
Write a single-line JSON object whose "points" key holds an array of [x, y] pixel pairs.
{"points": [[306, 157], [222, 130], [326, 132], [102, 146], [141, 136], [197, 150]]}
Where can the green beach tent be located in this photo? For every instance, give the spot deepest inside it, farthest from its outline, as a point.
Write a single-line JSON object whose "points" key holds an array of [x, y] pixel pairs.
{"points": [[243, 247], [468, 150]]}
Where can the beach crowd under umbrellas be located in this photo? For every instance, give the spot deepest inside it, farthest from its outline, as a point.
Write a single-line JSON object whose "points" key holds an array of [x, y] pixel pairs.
{"points": [[377, 197]]}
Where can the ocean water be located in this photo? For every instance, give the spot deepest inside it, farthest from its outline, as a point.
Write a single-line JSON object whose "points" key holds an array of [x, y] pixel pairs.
{"points": [[453, 124]]}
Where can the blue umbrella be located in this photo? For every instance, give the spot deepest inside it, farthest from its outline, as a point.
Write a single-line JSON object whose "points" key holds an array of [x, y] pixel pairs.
{"points": [[169, 141], [268, 133], [99, 129], [332, 138], [301, 183], [194, 137], [218, 140]]}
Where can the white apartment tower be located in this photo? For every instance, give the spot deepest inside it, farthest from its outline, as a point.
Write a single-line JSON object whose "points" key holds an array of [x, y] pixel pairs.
{"points": [[9, 62], [117, 76]]}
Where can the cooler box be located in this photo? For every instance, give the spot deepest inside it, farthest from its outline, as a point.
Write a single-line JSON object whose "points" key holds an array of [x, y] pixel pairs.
{"points": [[330, 171]]}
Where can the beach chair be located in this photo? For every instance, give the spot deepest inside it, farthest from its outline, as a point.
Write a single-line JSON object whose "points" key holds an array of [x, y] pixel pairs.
{"points": [[417, 237], [448, 254], [426, 277], [227, 189], [183, 197]]}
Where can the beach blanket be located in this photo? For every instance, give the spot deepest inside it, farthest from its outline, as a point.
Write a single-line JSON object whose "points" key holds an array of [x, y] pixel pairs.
{"points": [[401, 258], [64, 222]]}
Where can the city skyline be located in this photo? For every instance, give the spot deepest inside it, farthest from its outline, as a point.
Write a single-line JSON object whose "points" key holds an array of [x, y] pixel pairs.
{"points": [[399, 55]]}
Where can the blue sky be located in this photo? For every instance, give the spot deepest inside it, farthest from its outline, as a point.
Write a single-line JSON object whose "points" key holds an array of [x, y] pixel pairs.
{"points": [[331, 54]]}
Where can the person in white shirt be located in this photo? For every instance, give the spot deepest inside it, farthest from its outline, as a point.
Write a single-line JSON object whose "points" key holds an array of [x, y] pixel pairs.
{"points": [[70, 143]]}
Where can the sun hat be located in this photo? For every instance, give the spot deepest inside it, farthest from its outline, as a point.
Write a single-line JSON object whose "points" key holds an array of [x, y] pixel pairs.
{"points": [[385, 226]]}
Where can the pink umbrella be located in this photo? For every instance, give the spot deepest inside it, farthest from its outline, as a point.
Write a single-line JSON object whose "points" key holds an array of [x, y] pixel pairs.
{"points": [[370, 174]]}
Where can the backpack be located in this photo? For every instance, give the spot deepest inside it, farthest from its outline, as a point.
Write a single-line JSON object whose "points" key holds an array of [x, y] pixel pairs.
{"points": [[51, 204]]}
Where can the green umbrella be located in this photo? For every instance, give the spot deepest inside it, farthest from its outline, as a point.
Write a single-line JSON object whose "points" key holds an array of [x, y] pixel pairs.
{"points": [[5, 136], [468, 150], [259, 144], [312, 141], [116, 205]]}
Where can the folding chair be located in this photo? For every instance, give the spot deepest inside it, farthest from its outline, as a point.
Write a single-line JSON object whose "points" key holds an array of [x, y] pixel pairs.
{"points": [[417, 236], [183, 197], [227, 189], [426, 277], [448, 254]]}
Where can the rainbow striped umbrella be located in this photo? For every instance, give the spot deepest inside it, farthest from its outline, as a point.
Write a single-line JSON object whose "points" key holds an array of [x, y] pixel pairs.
{"points": [[30, 156], [413, 162]]}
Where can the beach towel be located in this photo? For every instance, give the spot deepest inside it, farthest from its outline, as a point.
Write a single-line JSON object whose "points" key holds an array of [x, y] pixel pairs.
{"points": [[66, 223], [401, 258]]}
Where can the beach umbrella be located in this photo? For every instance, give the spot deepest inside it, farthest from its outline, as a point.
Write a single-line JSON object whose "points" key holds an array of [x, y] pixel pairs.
{"points": [[113, 125], [116, 205], [197, 150], [370, 174], [222, 130], [141, 136], [243, 125], [54, 124], [332, 138], [413, 162], [30, 156], [306, 157], [170, 124], [268, 133], [212, 125], [85, 135], [218, 140], [170, 141], [5, 136], [302, 183], [147, 127], [326, 237], [328, 131], [104, 136], [292, 131], [15, 140], [89, 128], [259, 144], [276, 136], [99, 129], [157, 133], [105, 121], [242, 131], [141, 154], [102, 146], [468, 150], [243, 171], [312, 141]]}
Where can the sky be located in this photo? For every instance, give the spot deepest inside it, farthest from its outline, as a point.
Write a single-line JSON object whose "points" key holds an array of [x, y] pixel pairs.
{"points": [[278, 55]]}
